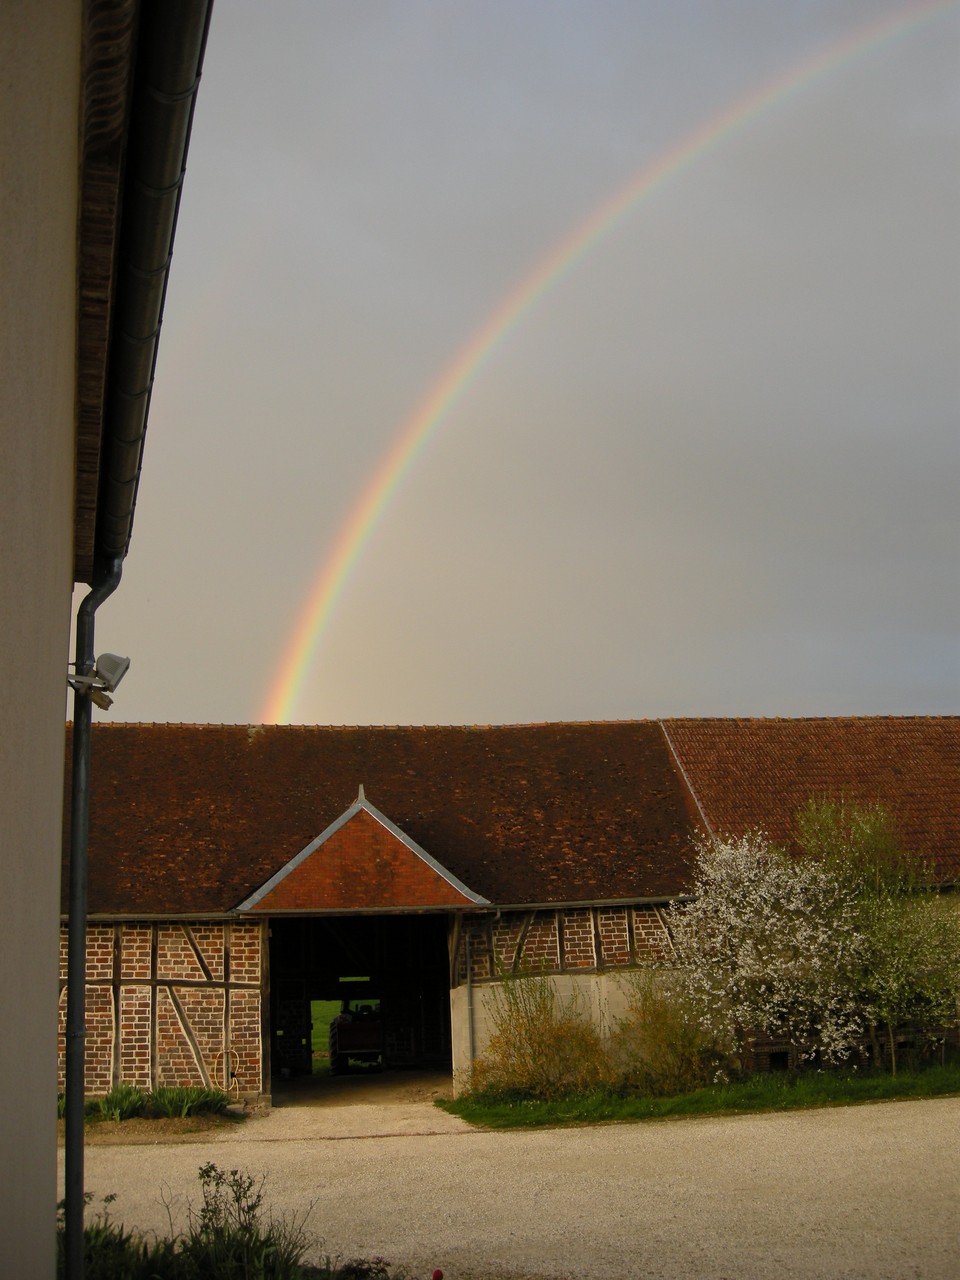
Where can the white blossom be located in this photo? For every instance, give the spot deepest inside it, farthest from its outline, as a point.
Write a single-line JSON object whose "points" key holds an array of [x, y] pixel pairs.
{"points": [[772, 944]]}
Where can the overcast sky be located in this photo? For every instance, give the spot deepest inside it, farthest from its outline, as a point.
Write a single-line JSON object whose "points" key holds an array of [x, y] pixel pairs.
{"points": [[713, 471]]}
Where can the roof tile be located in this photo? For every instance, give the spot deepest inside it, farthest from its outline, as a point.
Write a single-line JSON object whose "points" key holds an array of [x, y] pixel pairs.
{"points": [[192, 819]]}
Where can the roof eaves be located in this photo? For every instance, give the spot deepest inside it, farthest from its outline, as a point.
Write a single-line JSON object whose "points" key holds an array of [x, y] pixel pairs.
{"points": [[152, 917], [585, 903]]}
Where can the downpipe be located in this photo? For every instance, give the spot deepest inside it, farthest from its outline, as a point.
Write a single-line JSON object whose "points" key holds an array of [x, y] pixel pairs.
{"points": [[471, 1032], [105, 582]]}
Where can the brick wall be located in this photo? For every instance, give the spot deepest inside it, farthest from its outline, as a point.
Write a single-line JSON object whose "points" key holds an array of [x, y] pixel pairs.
{"points": [[171, 1003], [180, 1003], [362, 865], [651, 939], [570, 940]]}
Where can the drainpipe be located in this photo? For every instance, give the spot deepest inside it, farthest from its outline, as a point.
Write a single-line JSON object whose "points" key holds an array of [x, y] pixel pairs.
{"points": [[171, 39], [105, 581], [471, 1033]]}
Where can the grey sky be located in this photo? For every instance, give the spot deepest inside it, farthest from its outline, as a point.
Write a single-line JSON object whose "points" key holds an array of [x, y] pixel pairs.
{"points": [[713, 472]]}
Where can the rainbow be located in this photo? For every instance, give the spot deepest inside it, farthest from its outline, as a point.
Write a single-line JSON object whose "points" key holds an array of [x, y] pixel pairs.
{"points": [[418, 429]]}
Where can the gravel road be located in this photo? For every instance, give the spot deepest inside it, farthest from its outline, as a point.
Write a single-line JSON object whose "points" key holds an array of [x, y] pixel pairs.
{"points": [[871, 1191]]}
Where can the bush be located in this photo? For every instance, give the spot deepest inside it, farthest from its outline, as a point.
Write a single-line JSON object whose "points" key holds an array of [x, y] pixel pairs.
{"points": [[545, 1049], [186, 1100], [123, 1102], [110, 1252], [844, 945], [659, 1047], [230, 1235], [541, 1047]]}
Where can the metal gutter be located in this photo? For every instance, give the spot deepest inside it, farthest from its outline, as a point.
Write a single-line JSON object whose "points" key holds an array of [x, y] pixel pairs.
{"points": [[236, 914], [581, 904], [147, 917], [172, 36]]}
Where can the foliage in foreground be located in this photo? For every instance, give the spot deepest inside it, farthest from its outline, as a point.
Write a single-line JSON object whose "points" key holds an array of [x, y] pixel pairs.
{"points": [[768, 1092], [230, 1236]]}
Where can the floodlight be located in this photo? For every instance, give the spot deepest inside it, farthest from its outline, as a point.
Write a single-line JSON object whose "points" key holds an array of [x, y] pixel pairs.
{"points": [[111, 669], [98, 684]]}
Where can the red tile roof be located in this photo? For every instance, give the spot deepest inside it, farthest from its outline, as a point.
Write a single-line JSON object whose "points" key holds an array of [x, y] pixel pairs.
{"points": [[193, 819], [754, 775]]}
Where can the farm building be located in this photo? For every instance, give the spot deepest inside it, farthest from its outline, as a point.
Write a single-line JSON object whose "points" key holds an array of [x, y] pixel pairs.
{"points": [[239, 873]]}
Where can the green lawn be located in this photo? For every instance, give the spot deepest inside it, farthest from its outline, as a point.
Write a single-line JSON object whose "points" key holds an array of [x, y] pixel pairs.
{"points": [[322, 1013], [774, 1092]]}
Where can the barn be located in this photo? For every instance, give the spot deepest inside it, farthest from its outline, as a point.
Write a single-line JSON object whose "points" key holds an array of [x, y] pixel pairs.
{"points": [[239, 873]]}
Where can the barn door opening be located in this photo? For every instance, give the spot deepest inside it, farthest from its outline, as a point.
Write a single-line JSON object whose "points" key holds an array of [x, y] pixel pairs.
{"points": [[383, 981]]}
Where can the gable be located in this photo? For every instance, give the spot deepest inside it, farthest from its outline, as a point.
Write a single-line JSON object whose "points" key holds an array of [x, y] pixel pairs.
{"points": [[362, 862]]}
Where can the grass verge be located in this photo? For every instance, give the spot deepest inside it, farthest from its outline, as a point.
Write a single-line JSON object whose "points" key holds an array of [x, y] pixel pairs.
{"points": [[774, 1092]]}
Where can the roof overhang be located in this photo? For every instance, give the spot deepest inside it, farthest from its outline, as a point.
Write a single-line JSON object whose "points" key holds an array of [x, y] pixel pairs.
{"points": [[141, 70]]}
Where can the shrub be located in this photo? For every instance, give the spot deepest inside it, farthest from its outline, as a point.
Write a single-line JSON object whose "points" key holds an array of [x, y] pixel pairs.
{"points": [[844, 944], [186, 1100], [123, 1102], [660, 1047], [541, 1047], [231, 1236], [771, 944], [110, 1252]]}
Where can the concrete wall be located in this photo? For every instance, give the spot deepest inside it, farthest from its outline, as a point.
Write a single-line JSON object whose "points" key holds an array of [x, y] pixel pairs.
{"points": [[39, 109], [600, 996], [586, 951]]}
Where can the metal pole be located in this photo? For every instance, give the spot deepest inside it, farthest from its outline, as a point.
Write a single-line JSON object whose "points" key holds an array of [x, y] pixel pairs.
{"points": [[105, 583], [471, 1035]]}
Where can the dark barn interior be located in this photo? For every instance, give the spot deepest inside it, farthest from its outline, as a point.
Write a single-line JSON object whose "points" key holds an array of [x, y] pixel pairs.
{"points": [[398, 961]]}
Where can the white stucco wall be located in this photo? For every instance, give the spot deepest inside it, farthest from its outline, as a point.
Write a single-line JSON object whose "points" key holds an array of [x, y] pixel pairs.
{"points": [[39, 95], [600, 996]]}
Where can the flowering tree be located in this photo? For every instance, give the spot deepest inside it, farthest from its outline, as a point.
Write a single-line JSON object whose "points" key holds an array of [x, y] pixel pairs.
{"points": [[771, 944], [844, 942], [911, 973]]}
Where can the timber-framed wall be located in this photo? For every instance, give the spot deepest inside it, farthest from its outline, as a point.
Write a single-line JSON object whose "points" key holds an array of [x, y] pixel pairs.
{"points": [[564, 940], [172, 1003]]}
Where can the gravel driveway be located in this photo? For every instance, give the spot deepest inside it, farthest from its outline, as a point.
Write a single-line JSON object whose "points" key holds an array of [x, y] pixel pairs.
{"points": [[871, 1191]]}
